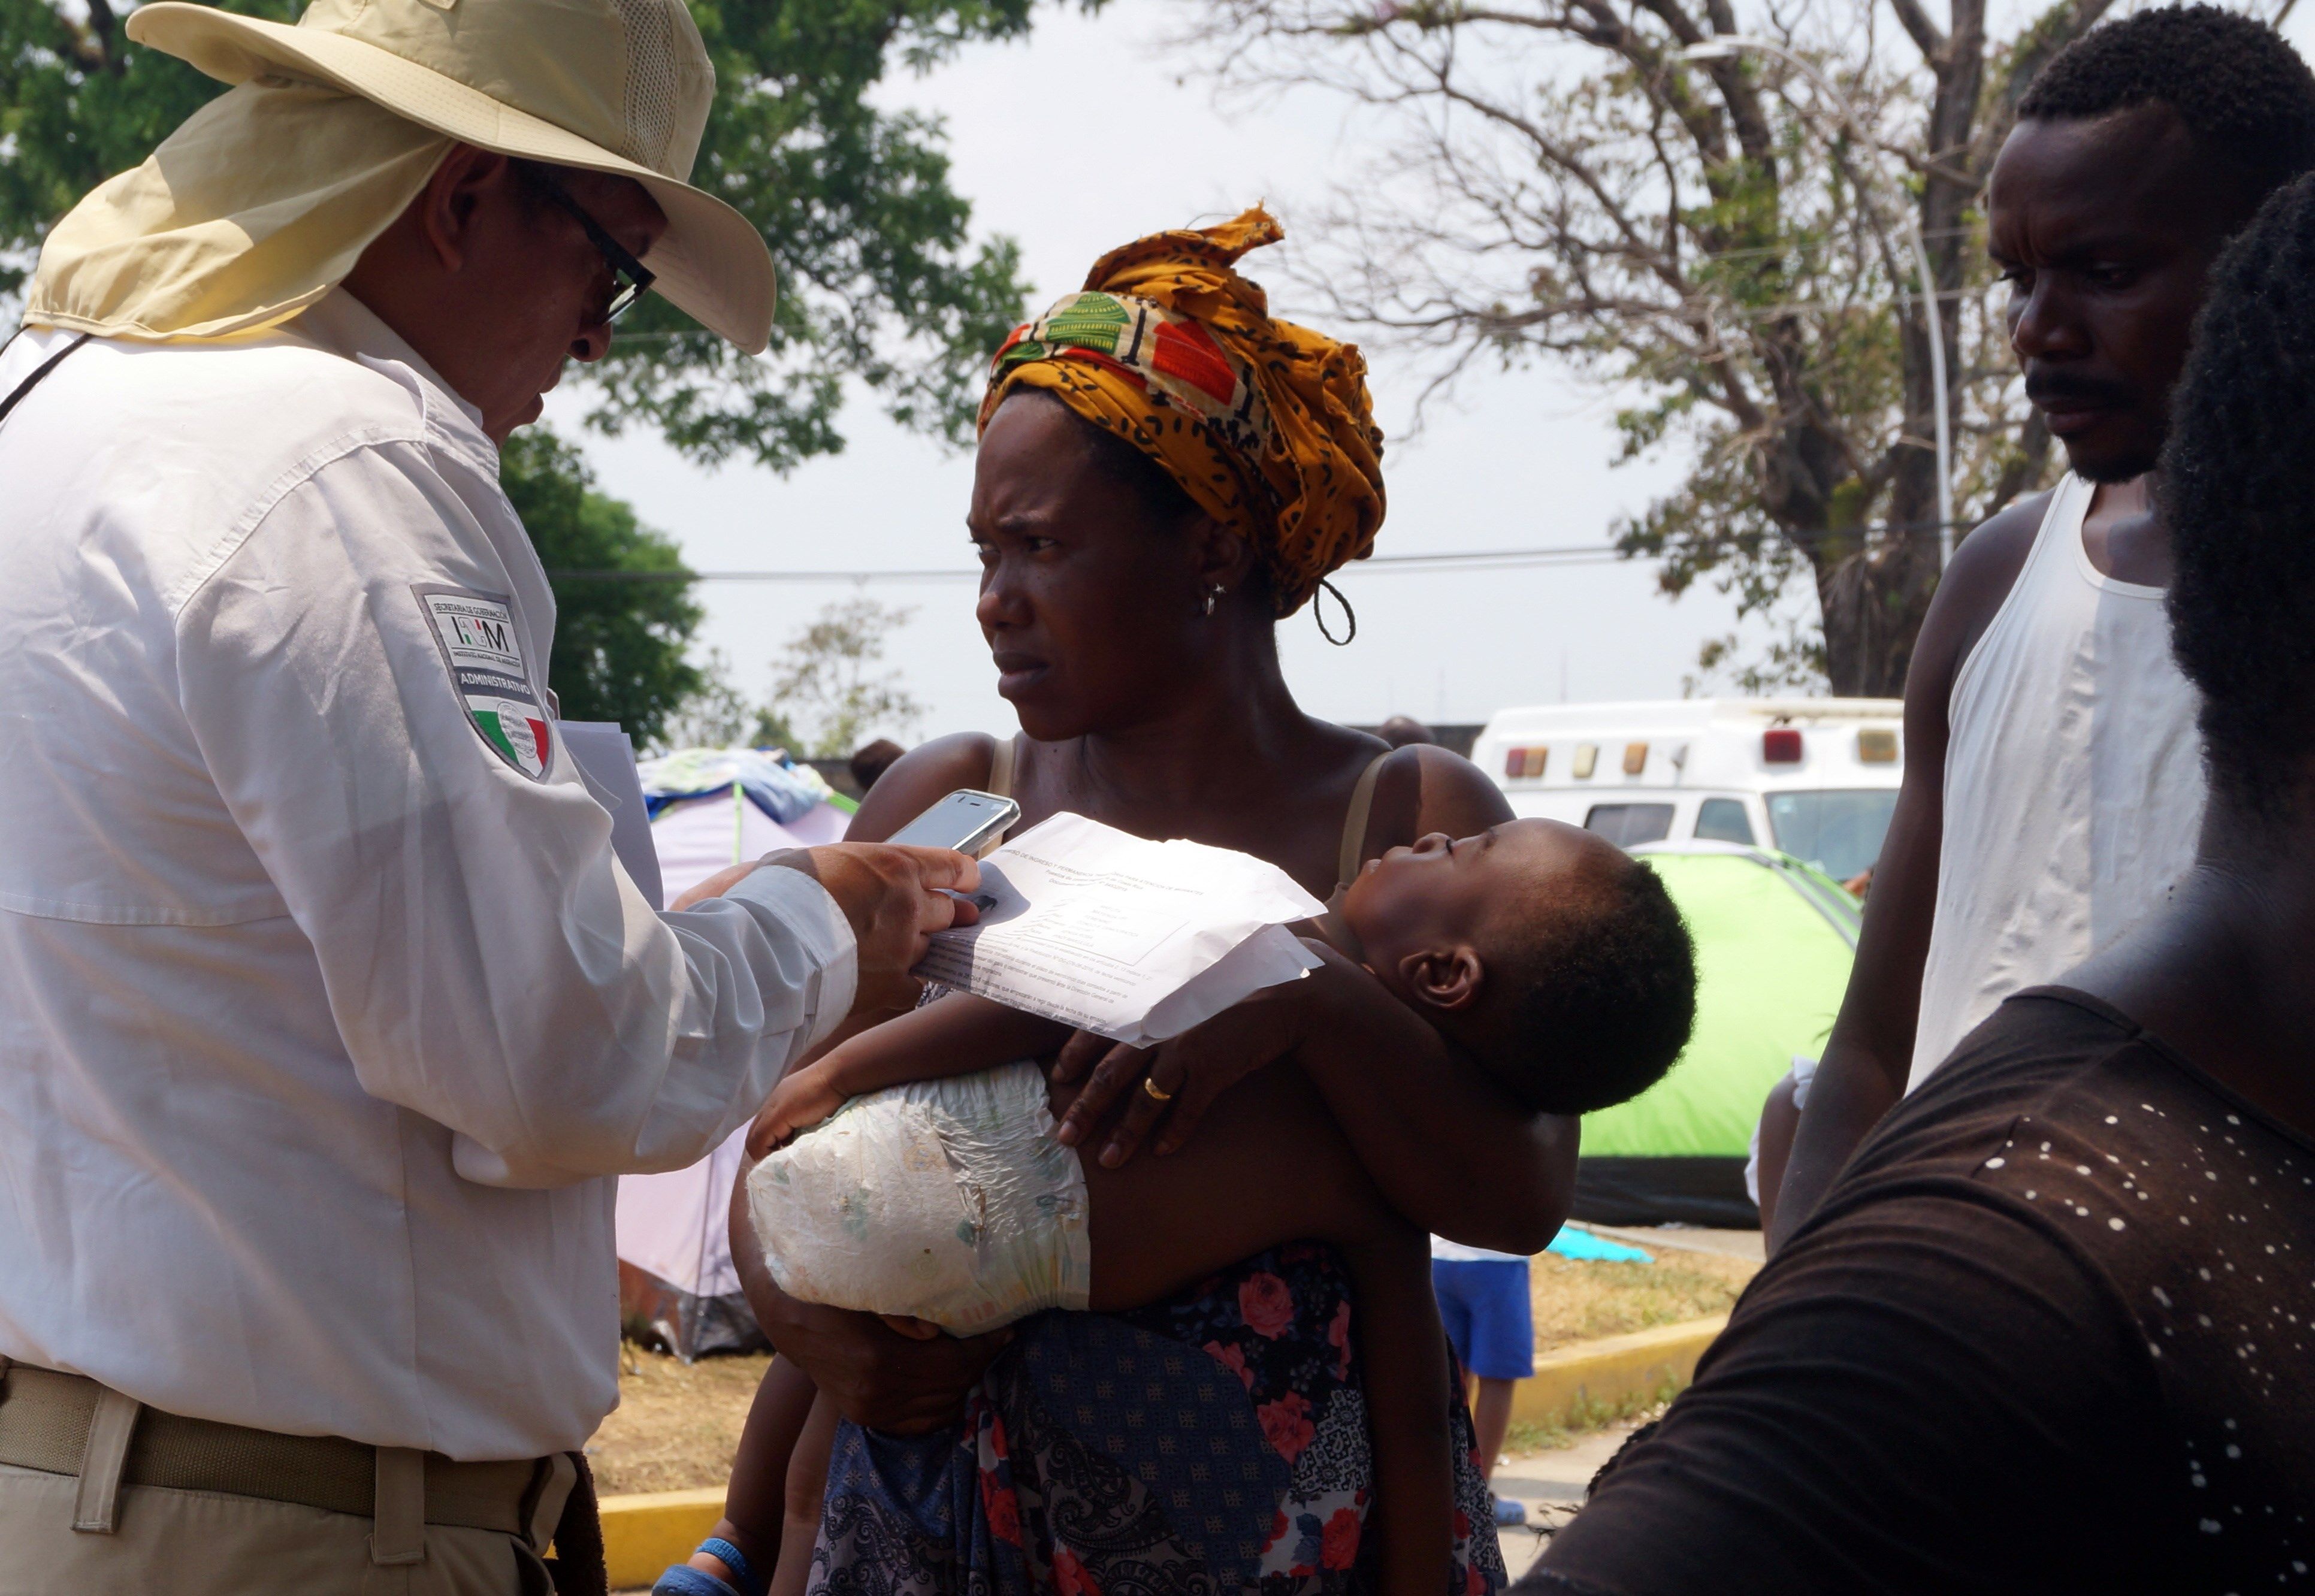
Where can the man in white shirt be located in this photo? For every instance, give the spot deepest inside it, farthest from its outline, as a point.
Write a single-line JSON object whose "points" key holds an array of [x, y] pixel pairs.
{"points": [[326, 1013], [2054, 789]]}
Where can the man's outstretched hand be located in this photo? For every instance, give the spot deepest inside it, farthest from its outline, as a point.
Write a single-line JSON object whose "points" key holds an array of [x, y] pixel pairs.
{"points": [[895, 899]]}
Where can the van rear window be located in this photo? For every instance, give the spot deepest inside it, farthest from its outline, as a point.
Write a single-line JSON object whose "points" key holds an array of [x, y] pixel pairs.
{"points": [[1628, 824]]}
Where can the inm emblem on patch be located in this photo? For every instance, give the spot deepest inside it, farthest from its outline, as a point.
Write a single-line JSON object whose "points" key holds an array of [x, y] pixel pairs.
{"points": [[481, 648]]}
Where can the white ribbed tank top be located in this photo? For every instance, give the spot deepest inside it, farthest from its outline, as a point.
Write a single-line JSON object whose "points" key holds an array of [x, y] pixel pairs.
{"points": [[2074, 784]]}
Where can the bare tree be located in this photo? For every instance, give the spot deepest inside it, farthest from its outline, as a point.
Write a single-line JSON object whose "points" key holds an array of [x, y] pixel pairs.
{"points": [[1714, 240], [822, 682]]}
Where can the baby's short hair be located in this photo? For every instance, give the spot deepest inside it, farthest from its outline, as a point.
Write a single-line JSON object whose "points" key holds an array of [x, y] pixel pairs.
{"points": [[1589, 995]]}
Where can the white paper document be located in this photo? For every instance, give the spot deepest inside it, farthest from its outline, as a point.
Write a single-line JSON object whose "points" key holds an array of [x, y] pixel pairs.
{"points": [[606, 763], [1112, 933]]}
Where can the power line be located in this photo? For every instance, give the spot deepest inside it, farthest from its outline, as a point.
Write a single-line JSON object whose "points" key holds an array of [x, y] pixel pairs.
{"points": [[1510, 559], [1481, 559]]}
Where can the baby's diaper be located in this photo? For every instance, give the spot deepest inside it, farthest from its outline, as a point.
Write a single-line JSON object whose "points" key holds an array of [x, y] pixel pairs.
{"points": [[948, 1200]]}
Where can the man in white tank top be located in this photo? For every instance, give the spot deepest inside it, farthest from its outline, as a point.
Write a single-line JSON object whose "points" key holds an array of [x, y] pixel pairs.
{"points": [[2054, 789]]}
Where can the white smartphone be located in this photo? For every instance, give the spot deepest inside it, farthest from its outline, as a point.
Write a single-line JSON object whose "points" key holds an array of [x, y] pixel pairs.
{"points": [[969, 821]]}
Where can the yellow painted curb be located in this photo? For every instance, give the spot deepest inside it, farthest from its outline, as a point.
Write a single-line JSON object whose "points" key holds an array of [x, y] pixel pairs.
{"points": [[646, 1532], [643, 1533], [1597, 1374]]}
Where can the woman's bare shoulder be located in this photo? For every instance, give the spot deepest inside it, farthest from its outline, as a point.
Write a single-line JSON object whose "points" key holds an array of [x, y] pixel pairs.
{"points": [[918, 779], [1450, 793], [1424, 788]]}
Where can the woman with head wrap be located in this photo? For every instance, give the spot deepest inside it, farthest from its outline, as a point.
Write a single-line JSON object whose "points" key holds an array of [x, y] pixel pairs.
{"points": [[1165, 471]]}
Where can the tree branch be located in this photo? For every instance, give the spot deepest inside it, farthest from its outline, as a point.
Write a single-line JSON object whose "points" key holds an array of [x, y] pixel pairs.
{"points": [[1925, 34]]}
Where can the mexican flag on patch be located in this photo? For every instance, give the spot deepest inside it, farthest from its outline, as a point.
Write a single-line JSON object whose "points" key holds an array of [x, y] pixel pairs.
{"points": [[482, 649], [515, 730]]}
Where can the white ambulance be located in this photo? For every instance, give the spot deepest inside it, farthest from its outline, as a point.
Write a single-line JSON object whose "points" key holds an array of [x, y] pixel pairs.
{"points": [[1814, 778]]}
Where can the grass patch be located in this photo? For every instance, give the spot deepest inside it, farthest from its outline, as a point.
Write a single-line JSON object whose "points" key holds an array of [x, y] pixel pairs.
{"points": [[1586, 1415], [1577, 1300]]}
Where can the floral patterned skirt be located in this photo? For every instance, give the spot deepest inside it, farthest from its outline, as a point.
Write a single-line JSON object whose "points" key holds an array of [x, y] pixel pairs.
{"points": [[1208, 1446]]}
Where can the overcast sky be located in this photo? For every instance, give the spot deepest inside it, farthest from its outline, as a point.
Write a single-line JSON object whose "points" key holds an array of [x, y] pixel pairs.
{"points": [[1520, 460]]}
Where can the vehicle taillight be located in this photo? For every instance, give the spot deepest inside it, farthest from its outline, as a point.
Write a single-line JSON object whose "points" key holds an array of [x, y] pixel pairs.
{"points": [[1636, 758], [1781, 745]]}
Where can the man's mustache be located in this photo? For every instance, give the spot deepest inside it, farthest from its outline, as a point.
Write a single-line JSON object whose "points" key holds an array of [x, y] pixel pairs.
{"points": [[2071, 392]]}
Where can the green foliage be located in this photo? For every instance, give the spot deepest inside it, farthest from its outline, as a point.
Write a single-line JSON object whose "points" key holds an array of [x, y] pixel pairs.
{"points": [[77, 104], [823, 680], [619, 646], [824, 701], [720, 715], [879, 278]]}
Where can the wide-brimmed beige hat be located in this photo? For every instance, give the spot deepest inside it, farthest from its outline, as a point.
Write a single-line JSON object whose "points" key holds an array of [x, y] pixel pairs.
{"points": [[619, 86]]}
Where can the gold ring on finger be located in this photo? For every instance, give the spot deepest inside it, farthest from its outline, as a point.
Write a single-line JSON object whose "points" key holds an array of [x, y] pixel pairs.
{"points": [[1149, 1085]]}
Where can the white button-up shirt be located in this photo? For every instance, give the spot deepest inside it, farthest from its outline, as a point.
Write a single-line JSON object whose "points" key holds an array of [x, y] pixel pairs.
{"points": [[325, 1012]]}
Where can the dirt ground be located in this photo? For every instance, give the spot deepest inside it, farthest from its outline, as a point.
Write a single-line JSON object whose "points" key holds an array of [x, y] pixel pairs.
{"points": [[678, 1427], [1576, 1301]]}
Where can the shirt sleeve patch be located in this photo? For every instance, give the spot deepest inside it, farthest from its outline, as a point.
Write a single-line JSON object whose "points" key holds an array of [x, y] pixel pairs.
{"points": [[482, 649]]}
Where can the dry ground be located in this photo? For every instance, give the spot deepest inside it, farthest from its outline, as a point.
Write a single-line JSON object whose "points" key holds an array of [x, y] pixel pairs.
{"points": [[678, 1427], [1577, 1301]]}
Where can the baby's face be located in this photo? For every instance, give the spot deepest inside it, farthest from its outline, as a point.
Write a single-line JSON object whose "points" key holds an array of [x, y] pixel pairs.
{"points": [[1442, 893]]}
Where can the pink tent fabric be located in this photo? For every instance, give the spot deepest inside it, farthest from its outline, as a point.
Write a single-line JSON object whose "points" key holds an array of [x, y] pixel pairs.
{"points": [[672, 1225]]}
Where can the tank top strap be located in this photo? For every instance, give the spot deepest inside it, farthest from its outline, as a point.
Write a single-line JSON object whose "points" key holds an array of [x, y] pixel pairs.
{"points": [[1000, 766], [1354, 822]]}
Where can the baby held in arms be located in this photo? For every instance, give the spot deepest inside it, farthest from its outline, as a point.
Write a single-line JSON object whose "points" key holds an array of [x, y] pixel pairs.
{"points": [[913, 1171]]}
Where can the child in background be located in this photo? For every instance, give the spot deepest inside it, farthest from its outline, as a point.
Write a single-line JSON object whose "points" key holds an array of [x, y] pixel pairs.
{"points": [[1484, 1302], [1554, 959]]}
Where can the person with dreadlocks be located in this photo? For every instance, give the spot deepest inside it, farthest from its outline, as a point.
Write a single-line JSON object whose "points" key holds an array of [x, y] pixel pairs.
{"points": [[2052, 1331], [1165, 470], [2052, 794]]}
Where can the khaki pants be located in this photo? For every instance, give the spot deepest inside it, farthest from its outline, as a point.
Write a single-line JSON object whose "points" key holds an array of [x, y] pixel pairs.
{"points": [[202, 1543], [98, 1493]]}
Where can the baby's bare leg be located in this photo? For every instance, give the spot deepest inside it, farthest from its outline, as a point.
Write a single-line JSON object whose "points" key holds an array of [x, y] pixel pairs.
{"points": [[1269, 1166], [753, 1499]]}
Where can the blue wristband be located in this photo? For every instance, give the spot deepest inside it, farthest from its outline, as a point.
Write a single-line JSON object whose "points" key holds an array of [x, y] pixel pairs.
{"points": [[736, 1560]]}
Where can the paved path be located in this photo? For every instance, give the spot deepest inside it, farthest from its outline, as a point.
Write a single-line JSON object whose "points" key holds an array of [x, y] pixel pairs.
{"points": [[1551, 1483]]}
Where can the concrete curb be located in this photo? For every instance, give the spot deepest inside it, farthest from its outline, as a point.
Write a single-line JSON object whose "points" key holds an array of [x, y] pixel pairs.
{"points": [[646, 1532], [1597, 1374], [643, 1533]]}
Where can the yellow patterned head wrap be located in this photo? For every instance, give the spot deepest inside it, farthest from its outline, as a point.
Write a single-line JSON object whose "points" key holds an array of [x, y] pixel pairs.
{"points": [[1267, 426]]}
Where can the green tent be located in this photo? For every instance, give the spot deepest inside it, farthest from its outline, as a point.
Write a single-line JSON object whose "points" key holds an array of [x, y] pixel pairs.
{"points": [[1774, 939]]}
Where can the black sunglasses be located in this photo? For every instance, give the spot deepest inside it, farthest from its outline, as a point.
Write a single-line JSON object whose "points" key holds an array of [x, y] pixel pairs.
{"points": [[629, 277]]}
